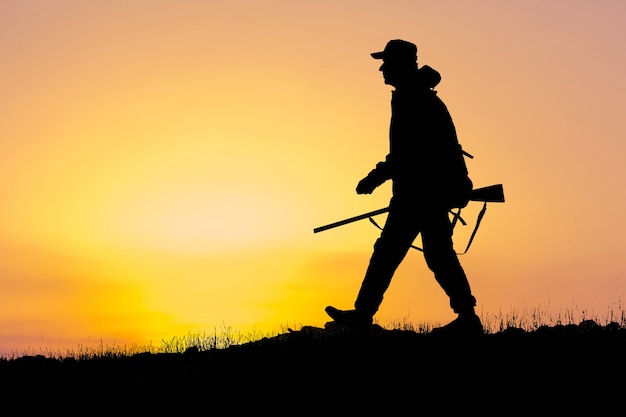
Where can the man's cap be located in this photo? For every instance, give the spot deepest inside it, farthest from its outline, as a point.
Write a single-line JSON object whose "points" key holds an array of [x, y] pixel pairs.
{"points": [[397, 49]]}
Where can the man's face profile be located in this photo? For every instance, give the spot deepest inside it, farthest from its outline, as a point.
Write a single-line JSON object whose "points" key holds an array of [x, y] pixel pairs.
{"points": [[395, 71]]}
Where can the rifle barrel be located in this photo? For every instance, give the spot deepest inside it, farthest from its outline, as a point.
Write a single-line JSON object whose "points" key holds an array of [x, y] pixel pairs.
{"points": [[351, 219]]}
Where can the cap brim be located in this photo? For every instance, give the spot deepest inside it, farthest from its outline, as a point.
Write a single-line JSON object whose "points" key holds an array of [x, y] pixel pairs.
{"points": [[378, 55]]}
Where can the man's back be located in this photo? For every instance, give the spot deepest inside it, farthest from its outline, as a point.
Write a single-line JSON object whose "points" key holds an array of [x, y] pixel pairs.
{"points": [[425, 155]]}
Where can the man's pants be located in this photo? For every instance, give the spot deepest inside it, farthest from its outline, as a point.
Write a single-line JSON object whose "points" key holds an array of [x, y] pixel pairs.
{"points": [[404, 222]]}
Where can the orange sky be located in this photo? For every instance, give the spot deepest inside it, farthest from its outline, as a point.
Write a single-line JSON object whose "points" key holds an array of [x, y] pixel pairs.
{"points": [[163, 164]]}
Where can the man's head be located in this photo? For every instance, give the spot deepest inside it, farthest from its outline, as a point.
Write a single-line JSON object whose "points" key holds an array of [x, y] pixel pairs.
{"points": [[399, 61]]}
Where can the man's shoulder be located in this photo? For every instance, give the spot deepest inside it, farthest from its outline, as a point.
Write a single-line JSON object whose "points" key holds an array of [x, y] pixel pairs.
{"points": [[430, 99]]}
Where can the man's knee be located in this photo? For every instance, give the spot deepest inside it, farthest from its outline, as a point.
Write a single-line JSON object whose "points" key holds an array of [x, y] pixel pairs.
{"points": [[441, 259]]}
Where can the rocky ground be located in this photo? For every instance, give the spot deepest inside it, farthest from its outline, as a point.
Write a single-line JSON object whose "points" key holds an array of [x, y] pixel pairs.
{"points": [[332, 371]]}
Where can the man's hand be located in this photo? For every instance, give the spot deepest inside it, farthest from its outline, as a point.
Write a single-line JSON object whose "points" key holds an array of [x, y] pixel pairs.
{"points": [[367, 185], [376, 177]]}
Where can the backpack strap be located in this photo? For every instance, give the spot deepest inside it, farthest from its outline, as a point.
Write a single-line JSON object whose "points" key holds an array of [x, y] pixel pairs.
{"points": [[457, 217], [478, 220]]}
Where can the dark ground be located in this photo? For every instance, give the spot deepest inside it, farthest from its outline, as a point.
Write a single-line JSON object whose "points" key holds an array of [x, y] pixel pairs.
{"points": [[552, 370]]}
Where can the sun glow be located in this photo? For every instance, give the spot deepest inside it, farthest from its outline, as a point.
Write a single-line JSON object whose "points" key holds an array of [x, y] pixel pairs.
{"points": [[201, 220], [163, 165]]}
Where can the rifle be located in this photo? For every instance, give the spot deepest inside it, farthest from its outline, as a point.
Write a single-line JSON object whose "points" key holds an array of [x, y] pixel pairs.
{"points": [[492, 193]]}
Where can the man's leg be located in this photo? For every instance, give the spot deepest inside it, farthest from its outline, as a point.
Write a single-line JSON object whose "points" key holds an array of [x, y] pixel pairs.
{"points": [[390, 248], [444, 262]]}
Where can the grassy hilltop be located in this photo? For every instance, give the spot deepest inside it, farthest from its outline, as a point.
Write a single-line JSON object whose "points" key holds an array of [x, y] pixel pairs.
{"points": [[335, 372]]}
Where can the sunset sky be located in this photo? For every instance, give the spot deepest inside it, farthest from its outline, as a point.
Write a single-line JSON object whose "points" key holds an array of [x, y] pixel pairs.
{"points": [[163, 163]]}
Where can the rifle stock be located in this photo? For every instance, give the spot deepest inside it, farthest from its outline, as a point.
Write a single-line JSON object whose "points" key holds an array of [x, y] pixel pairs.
{"points": [[492, 193]]}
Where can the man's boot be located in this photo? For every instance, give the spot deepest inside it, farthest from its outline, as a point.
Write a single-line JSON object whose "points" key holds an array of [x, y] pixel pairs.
{"points": [[353, 319], [465, 325]]}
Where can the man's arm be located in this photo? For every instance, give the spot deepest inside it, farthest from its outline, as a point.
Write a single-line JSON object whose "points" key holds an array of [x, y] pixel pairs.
{"points": [[376, 177]]}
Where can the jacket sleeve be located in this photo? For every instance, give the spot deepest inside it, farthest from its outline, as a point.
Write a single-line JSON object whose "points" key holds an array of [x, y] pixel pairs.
{"points": [[382, 171]]}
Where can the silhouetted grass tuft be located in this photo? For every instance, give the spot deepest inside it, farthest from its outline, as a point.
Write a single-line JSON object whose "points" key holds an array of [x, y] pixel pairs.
{"points": [[531, 361]]}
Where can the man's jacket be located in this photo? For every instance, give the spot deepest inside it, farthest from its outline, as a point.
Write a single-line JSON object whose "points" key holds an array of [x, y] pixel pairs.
{"points": [[425, 161]]}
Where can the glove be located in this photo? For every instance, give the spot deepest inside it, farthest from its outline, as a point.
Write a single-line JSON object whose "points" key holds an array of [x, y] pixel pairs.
{"points": [[376, 177], [367, 185]]}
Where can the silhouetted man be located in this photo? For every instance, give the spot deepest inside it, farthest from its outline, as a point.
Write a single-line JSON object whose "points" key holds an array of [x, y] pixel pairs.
{"points": [[427, 168]]}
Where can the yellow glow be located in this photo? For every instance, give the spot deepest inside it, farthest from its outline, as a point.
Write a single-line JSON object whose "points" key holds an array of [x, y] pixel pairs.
{"points": [[163, 165]]}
